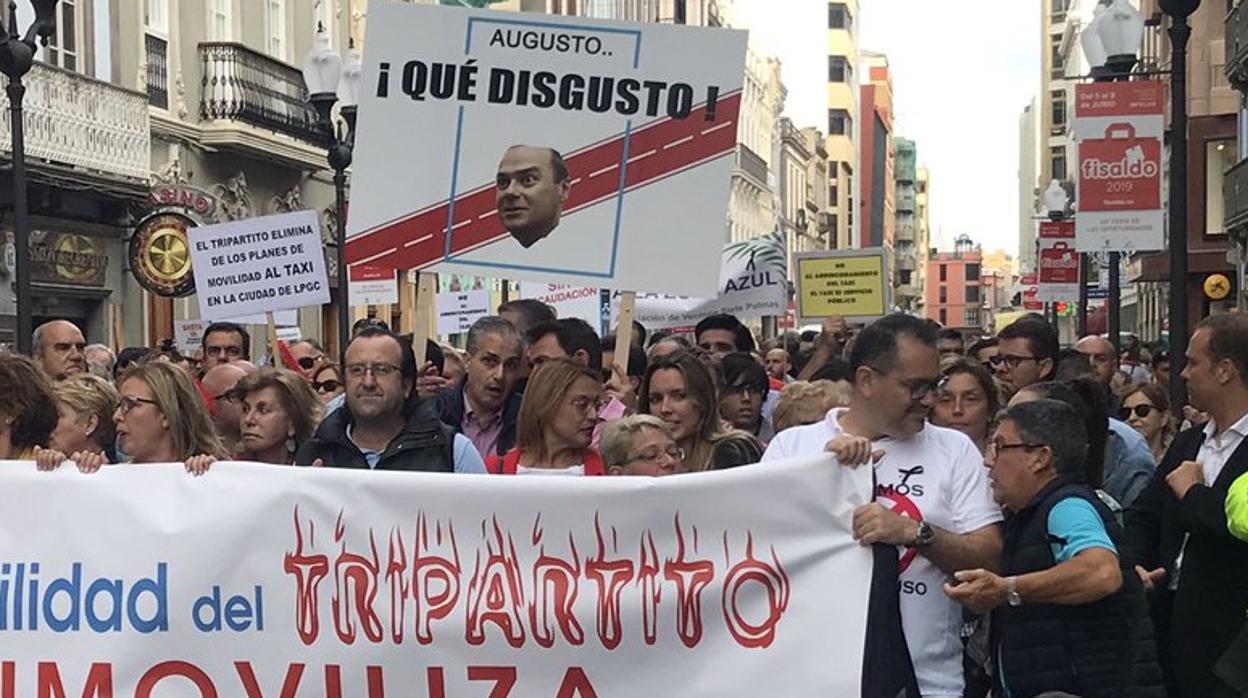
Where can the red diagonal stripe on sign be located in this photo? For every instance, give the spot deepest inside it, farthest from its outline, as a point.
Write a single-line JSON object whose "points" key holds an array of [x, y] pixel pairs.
{"points": [[655, 151]]}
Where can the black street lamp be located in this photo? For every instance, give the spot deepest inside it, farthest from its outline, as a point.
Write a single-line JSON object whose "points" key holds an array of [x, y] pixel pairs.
{"points": [[17, 55], [329, 81], [1179, 11]]}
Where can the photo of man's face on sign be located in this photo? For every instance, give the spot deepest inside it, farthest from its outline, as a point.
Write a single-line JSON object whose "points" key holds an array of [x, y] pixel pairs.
{"points": [[532, 185]]}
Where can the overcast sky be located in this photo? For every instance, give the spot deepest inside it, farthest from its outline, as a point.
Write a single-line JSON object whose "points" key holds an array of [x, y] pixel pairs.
{"points": [[962, 72]]}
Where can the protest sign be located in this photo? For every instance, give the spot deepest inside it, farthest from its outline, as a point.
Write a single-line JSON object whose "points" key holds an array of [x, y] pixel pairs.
{"points": [[850, 283], [560, 149], [373, 286], [188, 335], [584, 302], [327, 582], [1119, 127], [259, 265], [283, 318], [457, 311], [1059, 263], [752, 283]]}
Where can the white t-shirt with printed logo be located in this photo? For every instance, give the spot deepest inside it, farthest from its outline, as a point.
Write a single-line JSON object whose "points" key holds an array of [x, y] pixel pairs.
{"points": [[936, 476]]}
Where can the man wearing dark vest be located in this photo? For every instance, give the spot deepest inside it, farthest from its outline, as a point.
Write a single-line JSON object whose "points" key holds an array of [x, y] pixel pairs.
{"points": [[384, 425], [1065, 606], [1177, 527]]}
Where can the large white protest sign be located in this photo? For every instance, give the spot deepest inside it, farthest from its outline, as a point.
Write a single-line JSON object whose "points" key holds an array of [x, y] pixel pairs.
{"points": [[551, 149], [583, 302], [266, 580], [752, 283], [457, 311], [257, 265]]}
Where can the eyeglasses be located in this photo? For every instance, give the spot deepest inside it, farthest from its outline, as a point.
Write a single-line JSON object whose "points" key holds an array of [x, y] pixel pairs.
{"points": [[675, 453], [919, 387], [1011, 361], [328, 386], [994, 448], [1140, 411], [585, 404], [227, 396], [307, 362], [378, 370], [129, 402]]}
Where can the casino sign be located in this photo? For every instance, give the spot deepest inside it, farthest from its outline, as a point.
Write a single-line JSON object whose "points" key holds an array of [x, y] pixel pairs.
{"points": [[67, 258], [160, 250]]}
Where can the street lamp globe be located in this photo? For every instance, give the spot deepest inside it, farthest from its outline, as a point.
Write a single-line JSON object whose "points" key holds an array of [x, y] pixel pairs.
{"points": [[1055, 200], [1121, 30], [1179, 9], [321, 68], [349, 82]]}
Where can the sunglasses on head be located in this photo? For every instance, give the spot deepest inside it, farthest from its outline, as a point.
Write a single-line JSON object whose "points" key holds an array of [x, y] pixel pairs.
{"points": [[1140, 411]]}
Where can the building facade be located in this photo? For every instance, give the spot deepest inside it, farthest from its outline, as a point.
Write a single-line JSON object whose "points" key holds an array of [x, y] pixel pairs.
{"points": [[1029, 188], [907, 254], [1235, 184], [843, 122], [88, 151], [751, 204], [877, 204], [954, 280]]}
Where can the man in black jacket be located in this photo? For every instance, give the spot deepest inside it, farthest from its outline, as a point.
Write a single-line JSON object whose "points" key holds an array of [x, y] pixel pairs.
{"points": [[1177, 527], [383, 425], [484, 406]]}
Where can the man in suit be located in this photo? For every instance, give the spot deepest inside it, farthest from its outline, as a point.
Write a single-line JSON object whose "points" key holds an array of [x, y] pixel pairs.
{"points": [[1177, 527]]}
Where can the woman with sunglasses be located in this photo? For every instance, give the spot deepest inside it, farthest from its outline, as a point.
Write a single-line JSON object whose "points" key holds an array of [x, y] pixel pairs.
{"points": [[556, 423], [1146, 407], [160, 419], [327, 381]]}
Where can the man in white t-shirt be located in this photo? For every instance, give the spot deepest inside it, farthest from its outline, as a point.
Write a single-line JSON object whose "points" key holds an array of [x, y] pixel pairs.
{"points": [[932, 493]]}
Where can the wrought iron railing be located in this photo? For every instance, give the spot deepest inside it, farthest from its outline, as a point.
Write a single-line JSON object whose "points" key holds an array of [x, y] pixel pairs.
{"points": [[1237, 46], [751, 162], [81, 122], [244, 85], [1235, 198], [157, 71]]}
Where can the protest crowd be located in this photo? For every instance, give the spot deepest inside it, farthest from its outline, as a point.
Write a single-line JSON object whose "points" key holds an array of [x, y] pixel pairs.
{"points": [[1071, 533]]}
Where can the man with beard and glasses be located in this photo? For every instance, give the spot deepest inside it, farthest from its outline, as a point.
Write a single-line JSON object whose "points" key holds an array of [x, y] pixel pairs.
{"points": [[383, 425], [933, 506]]}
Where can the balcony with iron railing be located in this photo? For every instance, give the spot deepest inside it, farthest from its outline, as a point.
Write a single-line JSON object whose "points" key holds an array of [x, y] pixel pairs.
{"points": [[244, 85], [751, 163], [73, 121], [1237, 47]]}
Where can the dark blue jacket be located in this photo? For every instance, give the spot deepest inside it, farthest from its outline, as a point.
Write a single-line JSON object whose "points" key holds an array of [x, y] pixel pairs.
{"points": [[450, 407]]}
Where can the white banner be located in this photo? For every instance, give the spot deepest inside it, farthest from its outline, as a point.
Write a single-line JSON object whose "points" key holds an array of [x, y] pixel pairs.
{"points": [[582, 302], [552, 149], [752, 283], [257, 265], [260, 580]]}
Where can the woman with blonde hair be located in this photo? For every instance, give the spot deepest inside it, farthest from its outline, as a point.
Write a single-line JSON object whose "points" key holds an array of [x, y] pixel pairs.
{"points": [[160, 418], [86, 403], [1146, 408], [681, 390], [27, 408], [556, 423], [804, 402], [280, 412], [640, 444]]}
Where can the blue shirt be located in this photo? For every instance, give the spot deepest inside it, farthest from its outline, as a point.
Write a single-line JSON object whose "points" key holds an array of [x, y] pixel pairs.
{"points": [[1129, 464], [1074, 526], [467, 460]]}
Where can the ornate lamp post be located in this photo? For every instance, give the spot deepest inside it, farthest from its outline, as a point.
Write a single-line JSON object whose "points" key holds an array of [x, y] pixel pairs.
{"points": [[330, 80], [1179, 11], [17, 55]]}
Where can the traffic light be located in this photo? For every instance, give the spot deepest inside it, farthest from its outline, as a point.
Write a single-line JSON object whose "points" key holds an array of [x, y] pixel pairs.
{"points": [[1064, 309]]}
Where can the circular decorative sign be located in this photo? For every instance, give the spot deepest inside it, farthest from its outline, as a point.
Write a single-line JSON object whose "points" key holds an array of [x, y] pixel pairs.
{"points": [[160, 254], [1217, 287]]}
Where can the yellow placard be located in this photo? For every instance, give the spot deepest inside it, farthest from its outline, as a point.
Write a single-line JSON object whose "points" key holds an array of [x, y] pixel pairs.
{"points": [[850, 286]]}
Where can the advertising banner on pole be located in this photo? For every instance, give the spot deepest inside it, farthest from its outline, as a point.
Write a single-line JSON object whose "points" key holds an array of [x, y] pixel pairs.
{"points": [[257, 265], [850, 283], [372, 285], [313, 582], [1119, 128], [1059, 263], [752, 283], [457, 311], [562, 150]]}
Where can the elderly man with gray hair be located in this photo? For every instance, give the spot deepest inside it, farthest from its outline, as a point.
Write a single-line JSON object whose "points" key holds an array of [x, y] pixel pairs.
{"points": [[1066, 605]]}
